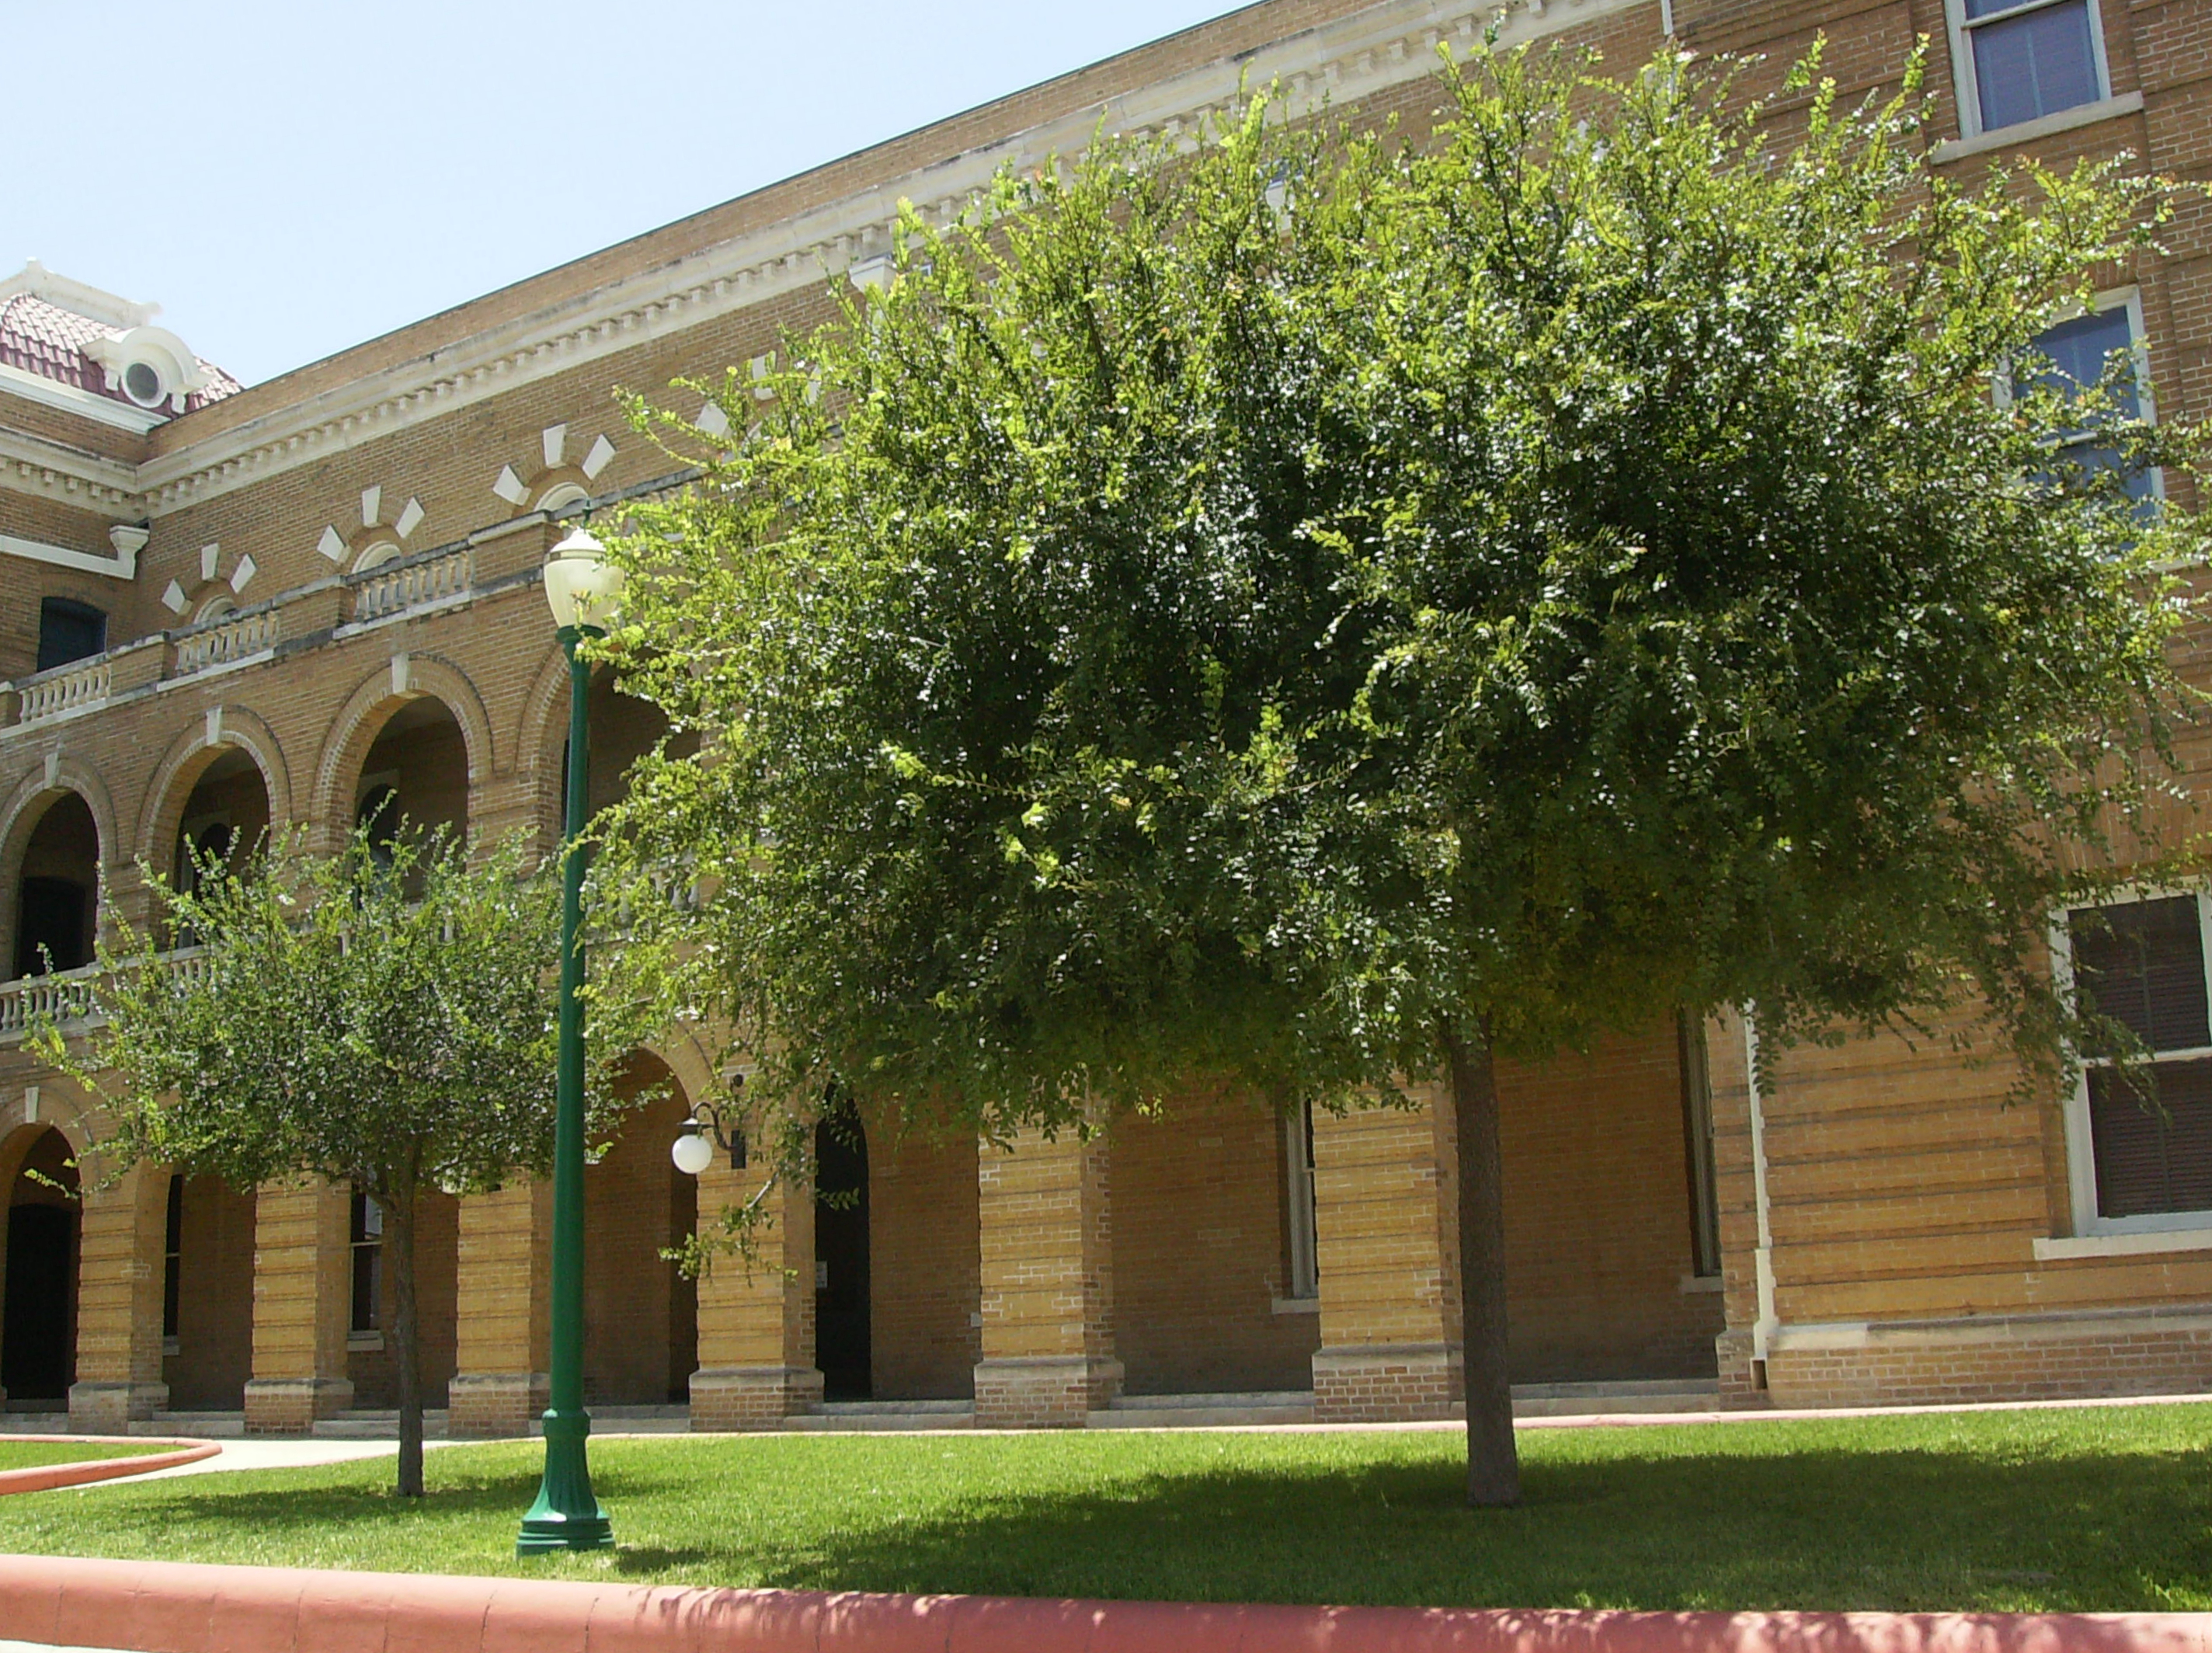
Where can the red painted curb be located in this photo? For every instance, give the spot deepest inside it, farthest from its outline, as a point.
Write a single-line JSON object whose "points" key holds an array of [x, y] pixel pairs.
{"points": [[167, 1606], [45, 1477]]}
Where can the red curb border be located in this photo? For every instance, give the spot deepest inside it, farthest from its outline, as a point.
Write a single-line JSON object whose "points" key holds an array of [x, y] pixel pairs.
{"points": [[168, 1606], [45, 1477]]}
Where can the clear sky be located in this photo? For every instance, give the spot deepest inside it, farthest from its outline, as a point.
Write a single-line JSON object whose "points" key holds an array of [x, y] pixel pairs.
{"points": [[289, 179]]}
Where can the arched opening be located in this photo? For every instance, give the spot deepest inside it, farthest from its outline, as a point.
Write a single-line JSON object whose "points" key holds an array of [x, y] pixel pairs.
{"points": [[623, 729], [416, 772], [207, 1295], [924, 1267], [224, 819], [842, 1345], [371, 1365], [1206, 1296], [58, 890], [37, 1312], [641, 1317]]}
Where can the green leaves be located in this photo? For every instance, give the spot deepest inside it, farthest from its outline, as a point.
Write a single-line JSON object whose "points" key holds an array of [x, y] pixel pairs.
{"points": [[384, 1016], [1186, 627]]}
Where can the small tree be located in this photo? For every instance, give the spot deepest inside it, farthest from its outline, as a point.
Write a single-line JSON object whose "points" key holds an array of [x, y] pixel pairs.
{"points": [[381, 1018], [1317, 609]]}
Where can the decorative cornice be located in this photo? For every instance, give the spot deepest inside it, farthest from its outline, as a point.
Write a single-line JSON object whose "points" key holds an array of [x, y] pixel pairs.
{"points": [[73, 398], [91, 482], [1340, 62]]}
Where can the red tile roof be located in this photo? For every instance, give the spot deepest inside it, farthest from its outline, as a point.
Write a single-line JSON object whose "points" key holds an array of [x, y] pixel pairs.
{"points": [[47, 340]]}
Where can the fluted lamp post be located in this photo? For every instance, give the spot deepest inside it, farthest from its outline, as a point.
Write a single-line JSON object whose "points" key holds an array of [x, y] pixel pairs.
{"points": [[583, 589]]}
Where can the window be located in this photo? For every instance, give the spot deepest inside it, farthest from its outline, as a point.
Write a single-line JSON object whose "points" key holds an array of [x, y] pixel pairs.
{"points": [[69, 630], [2076, 356], [1298, 1204], [172, 1250], [367, 1261], [1697, 1146], [2140, 1163], [2019, 60]]}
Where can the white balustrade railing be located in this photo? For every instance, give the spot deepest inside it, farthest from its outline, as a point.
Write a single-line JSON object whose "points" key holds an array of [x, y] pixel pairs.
{"points": [[414, 585], [64, 689], [66, 996], [63, 996], [225, 641]]}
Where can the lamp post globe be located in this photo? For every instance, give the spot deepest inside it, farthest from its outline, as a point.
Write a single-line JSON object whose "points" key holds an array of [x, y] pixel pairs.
{"points": [[582, 587], [582, 590]]}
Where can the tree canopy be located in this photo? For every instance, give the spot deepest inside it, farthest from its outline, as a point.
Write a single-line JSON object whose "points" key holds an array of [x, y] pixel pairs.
{"points": [[1317, 609], [382, 1017]]}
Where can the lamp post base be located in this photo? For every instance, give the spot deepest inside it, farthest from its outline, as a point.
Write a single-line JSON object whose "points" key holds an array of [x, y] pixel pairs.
{"points": [[567, 1516]]}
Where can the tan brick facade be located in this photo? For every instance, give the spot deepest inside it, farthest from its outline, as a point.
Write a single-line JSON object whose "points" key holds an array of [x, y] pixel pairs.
{"points": [[1887, 1229]]}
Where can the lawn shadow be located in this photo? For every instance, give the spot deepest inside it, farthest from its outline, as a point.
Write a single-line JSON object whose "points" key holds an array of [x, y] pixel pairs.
{"points": [[1911, 1529]]}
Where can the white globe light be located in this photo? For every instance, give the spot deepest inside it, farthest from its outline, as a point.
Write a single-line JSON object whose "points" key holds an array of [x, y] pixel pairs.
{"points": [[692, 1153], [582, 586]]}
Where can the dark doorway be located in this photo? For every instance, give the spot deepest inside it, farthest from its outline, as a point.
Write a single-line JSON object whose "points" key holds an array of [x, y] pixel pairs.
{"points": [[58, 890], [38, 1342], [840, 1256], [69, 630]]}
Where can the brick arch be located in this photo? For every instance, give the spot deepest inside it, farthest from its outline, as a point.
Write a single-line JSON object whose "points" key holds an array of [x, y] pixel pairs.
{"points": [[354, 729], [27, 804], [539, 736], [190, 754]]}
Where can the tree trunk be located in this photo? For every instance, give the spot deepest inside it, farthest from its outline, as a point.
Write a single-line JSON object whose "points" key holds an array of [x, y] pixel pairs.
{"points": [[399, 1247], [1493, 1463]]}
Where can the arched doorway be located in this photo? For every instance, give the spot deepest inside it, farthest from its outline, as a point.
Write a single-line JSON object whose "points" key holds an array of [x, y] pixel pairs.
{"points": [[416, 772], [623, 729], [58, 890], [843, 1345], [225, 815], [38, 1313], [641, 1317], [207, 1294]]}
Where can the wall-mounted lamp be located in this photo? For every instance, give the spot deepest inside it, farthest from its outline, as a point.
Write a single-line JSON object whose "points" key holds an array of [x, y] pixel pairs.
{"points": [[693, 1151]]}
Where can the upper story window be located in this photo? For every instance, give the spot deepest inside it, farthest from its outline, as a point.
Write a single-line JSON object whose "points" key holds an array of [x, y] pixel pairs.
{"points": [[2076, 356], [2140, 1163], [2019, 60], [69, 630]]}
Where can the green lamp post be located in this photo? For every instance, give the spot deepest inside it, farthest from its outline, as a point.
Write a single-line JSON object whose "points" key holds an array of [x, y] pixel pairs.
{"points": [[581, 587]]}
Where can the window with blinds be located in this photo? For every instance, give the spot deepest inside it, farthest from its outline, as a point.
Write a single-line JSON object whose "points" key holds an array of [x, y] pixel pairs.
{"points": [[2141, 964]]}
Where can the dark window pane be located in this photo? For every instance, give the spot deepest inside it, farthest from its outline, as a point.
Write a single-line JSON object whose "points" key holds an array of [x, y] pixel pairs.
{"points": [[2155, 1156], [2142, 964], [2035, 64], [2079, 350], [53, 925], [68, 631]]}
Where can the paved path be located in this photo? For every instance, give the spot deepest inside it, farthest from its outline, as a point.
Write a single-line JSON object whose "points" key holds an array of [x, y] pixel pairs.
{"points": [[267, 1454], [263, 1453]]}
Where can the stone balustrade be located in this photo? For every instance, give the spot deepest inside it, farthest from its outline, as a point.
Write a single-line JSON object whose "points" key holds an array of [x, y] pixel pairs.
{"points": [[66, 996], [64, 689], [415, 583], [219, 642]]}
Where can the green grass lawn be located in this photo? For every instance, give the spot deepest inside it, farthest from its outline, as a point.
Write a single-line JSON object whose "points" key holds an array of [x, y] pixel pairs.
{"points": [[2080, 1510], [30, 1451]]}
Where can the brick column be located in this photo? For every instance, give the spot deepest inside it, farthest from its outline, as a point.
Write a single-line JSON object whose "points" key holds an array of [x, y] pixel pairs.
{"points": [[757, 1314], [1046, 1241], [302, 1305], [119, 1325], [503, 1286], [1386, 1238]]}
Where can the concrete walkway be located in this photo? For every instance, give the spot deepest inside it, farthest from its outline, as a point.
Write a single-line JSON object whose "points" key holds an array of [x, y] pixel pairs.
{"points": [[267, 1454]]}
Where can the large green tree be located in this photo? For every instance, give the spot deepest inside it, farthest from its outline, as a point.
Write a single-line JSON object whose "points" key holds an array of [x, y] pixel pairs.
{"points": [[383, 1018], [1315, 610]]}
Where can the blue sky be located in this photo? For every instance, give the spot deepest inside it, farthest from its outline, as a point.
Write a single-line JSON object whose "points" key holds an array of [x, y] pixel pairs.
{"points": [[286, 180]]}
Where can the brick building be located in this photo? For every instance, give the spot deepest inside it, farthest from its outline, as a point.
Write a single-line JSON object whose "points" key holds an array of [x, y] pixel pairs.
{"points": [[223, 607]]}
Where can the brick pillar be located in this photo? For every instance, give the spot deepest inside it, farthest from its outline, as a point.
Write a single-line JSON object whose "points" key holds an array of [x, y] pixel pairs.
{"points": [[757, 1314], [302, 1305], [1047, 1240], [118, 1324], [503, 1293], [1386, 1238]]}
